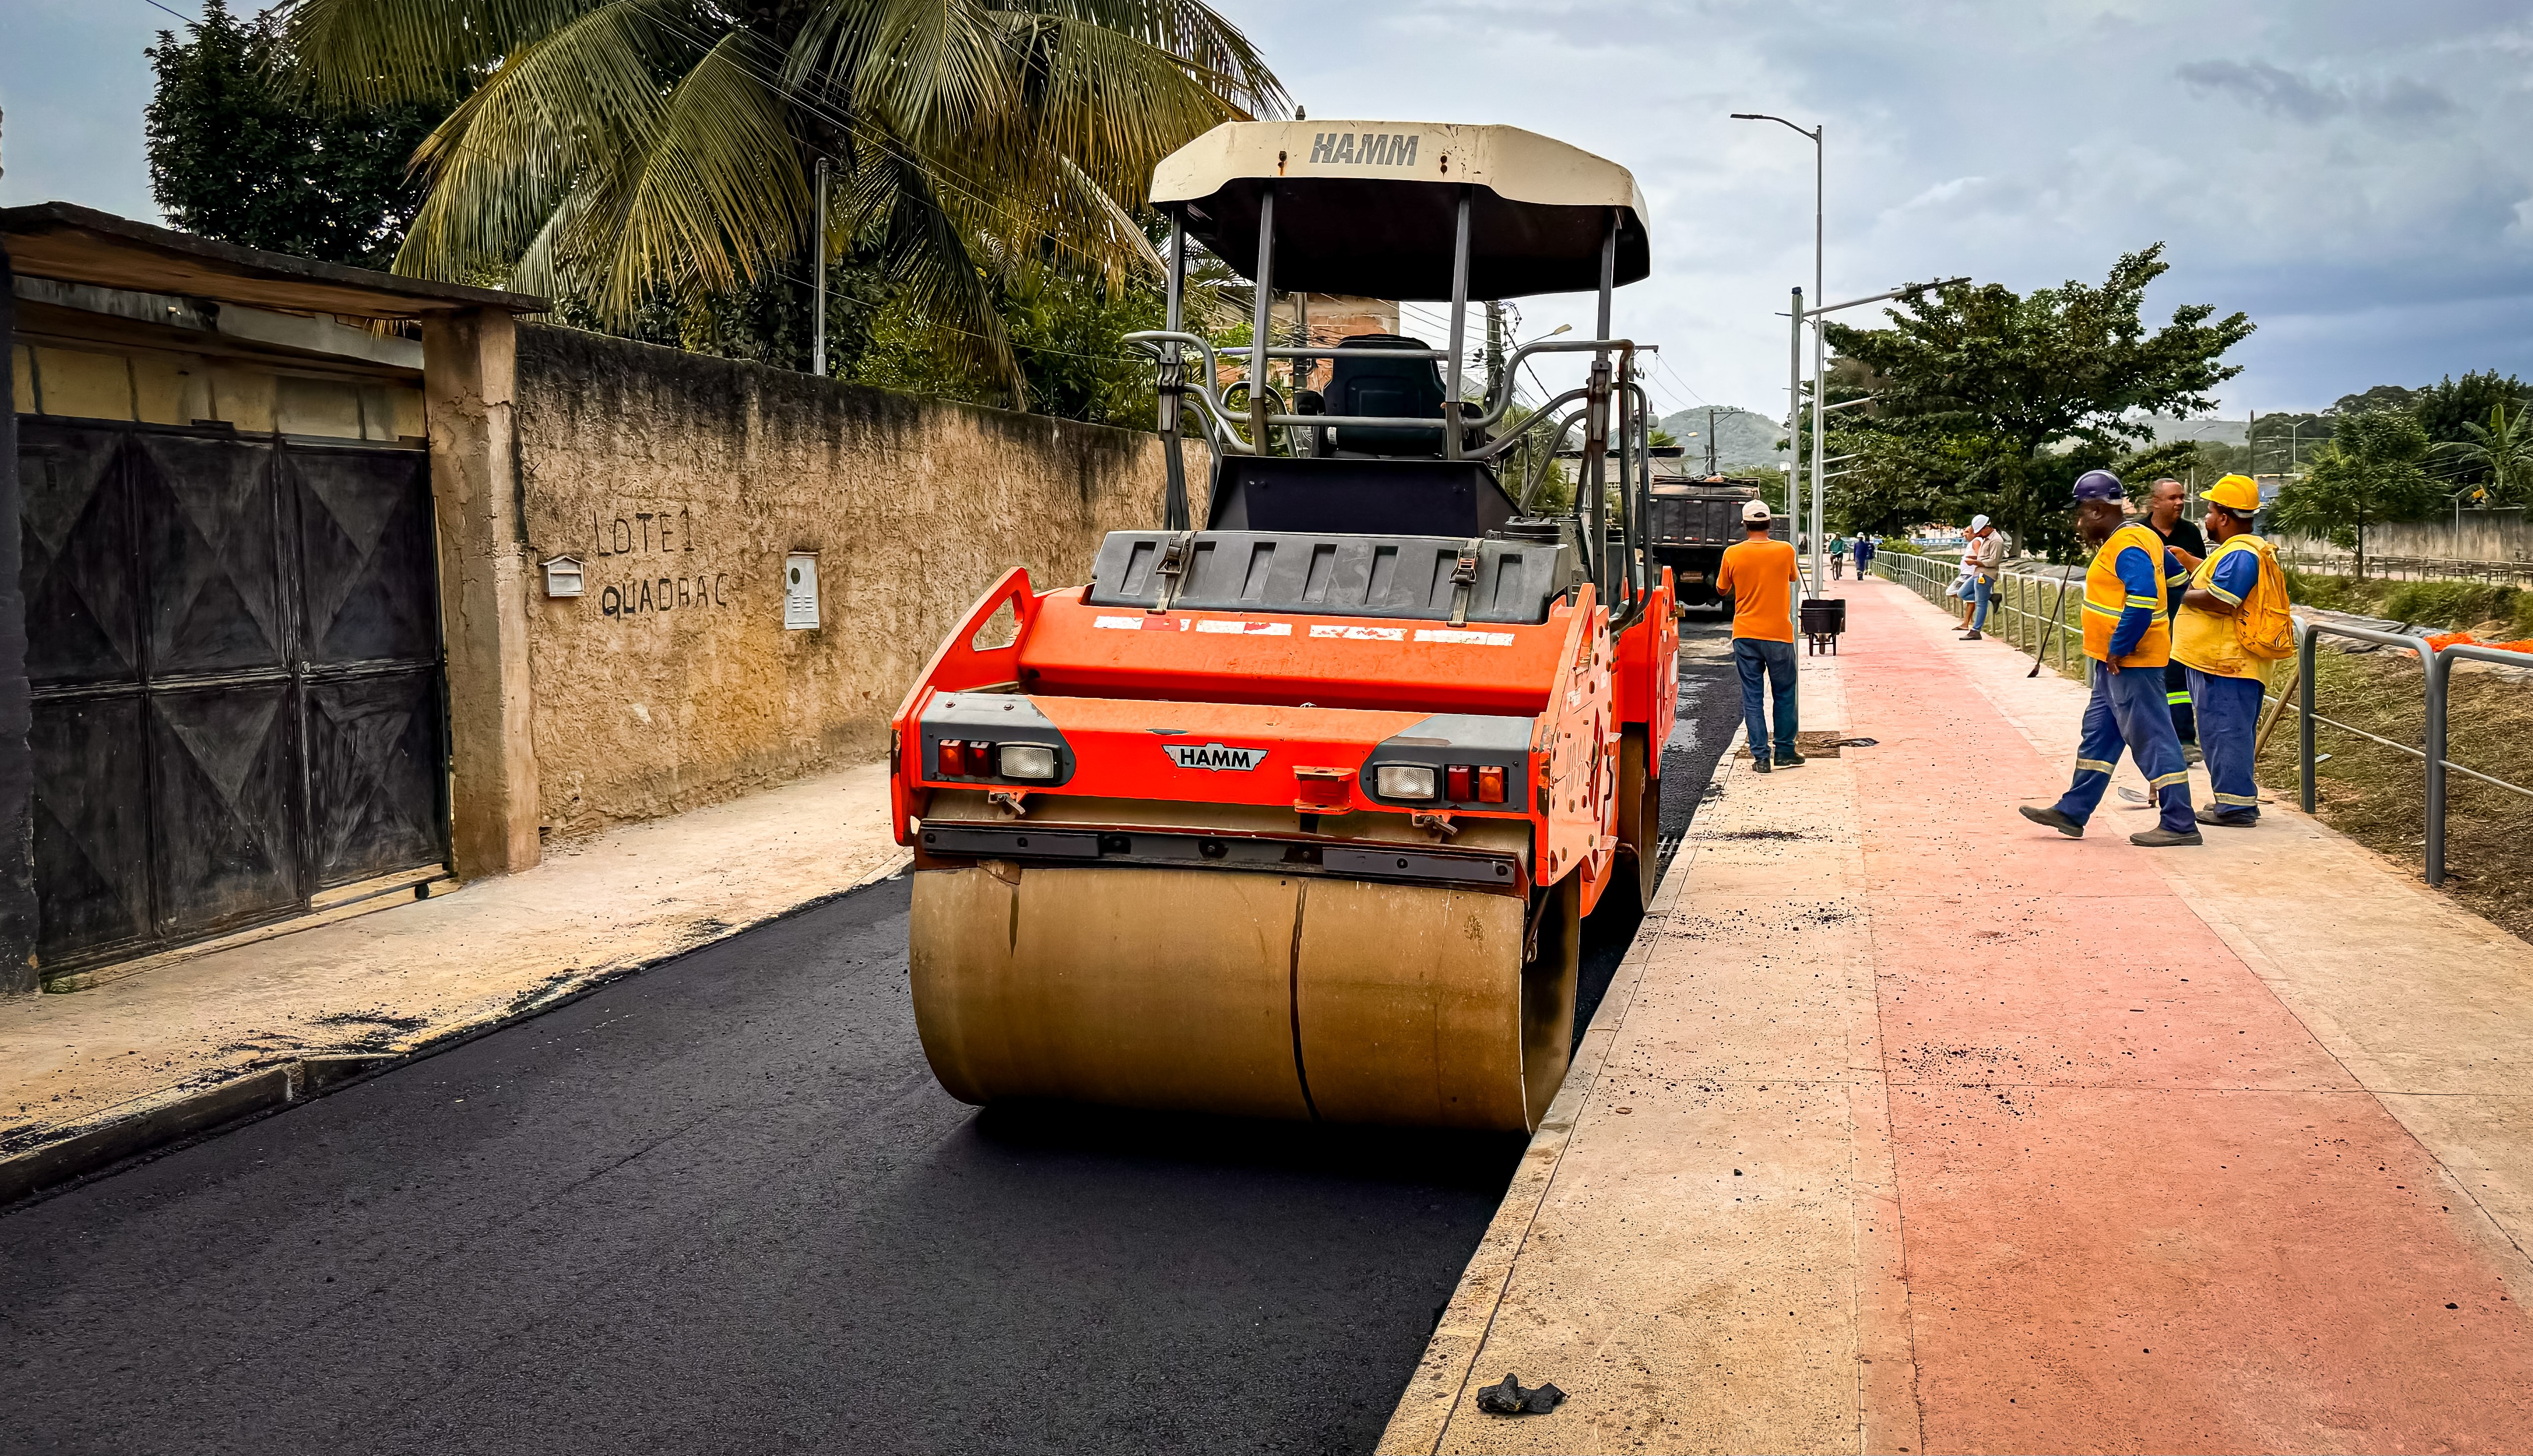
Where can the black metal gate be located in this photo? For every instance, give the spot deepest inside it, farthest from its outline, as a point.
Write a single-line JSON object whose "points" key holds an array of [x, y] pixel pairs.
{"points": [[234, 644]]}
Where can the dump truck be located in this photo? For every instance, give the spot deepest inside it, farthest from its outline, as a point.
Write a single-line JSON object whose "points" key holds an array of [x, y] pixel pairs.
{"points": [[1689, 522], [1297, 812]]}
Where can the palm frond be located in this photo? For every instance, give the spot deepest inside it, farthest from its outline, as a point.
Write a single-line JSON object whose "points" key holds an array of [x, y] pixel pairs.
{"points": [[717, 197], [381, 52], [588, 93]]}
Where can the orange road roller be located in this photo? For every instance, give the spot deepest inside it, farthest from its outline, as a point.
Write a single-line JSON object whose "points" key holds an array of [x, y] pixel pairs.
{"points": [[1297, 813]]}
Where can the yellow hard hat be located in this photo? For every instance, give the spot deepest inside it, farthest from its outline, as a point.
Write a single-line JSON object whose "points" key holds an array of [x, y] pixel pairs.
{"points": [[2234, 493]]}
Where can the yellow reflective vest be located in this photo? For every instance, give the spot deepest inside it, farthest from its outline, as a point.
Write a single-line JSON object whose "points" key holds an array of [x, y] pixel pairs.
{"points": [[2209, 640], [2106, 596]]}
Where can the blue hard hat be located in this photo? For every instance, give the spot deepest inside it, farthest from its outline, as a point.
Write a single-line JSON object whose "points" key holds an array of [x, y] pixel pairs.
{"points": [[2099, 485]]}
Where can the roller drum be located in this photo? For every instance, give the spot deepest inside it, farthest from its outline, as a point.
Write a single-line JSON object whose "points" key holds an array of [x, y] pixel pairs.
{"points": [[1243, 994]]}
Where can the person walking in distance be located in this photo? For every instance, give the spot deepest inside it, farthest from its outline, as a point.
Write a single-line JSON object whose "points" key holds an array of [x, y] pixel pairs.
{"points": [[1863, 554], [2181, 538], [2128, 634], [1981, 556], [2232, 624], [1759, 575]]}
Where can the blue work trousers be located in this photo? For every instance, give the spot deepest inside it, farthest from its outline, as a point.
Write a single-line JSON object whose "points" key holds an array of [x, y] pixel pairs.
{"points": [[2229, 716], [1982, 591], [2128, 711], [1756, 659]]}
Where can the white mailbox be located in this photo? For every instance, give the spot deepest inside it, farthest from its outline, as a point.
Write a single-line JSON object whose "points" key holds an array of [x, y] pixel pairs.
{"points": [[801, 591], [563, 576]]}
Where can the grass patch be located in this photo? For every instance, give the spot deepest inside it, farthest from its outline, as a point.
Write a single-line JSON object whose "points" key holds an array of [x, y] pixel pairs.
{"points": [[2378, 797]]}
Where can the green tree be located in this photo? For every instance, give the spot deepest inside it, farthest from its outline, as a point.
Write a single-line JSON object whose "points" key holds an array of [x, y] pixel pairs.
{"points": [[1067, 335], [233, 155], [2497, 456], [2370, 473], [619, 150], [2450, 409], [2019, 392]]}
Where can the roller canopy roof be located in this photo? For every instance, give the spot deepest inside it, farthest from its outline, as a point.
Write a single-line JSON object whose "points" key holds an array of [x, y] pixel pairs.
{"points": [[1367, 208]]}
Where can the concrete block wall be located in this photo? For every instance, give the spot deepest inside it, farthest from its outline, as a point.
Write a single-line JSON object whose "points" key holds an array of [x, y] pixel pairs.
{"points": [[683, 483]]}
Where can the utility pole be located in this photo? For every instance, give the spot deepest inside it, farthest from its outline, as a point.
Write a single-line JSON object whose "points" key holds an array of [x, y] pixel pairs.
{"points": [[818, 253], [1494, 350], [1712, 470]]}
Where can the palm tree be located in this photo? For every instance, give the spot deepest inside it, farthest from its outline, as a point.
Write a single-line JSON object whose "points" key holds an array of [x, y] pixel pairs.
{"points": [[621, 151], [2503, 449]]}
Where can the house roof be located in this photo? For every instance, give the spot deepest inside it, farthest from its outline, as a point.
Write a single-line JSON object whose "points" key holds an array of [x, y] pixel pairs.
{"points": [[73, 244]]}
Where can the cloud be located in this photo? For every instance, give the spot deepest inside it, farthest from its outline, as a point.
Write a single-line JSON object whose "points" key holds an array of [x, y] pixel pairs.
{"points": [[2283, 93]]}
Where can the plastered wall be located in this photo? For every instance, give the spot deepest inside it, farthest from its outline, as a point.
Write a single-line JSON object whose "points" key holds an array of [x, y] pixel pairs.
{"points": [[683, 483]]}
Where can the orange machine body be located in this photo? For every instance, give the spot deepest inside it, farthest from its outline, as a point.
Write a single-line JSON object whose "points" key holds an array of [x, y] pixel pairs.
{"points": [[1285, 718]]}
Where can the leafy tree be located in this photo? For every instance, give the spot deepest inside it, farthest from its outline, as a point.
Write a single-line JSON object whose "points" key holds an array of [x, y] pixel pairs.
{"points": [[2381, 397], [233, 155], [2498, 455], [2370, 473], [2019, 391], [619, 150], [1067, 334], [2451, 409]]}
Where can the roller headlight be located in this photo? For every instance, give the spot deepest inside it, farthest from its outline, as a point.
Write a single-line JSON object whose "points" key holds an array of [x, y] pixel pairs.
{"points": [[1028, 761], [1404, 781]]}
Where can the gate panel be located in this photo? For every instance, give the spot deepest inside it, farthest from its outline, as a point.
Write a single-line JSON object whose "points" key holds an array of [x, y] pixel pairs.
{"points": [[367, 568], [91, 827], [74, 513], [224, 815], [376, 775], [211, 567]]}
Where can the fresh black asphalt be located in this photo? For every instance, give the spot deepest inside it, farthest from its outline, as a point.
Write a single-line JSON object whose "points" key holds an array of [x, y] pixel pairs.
{"points": [[722, 1206]]}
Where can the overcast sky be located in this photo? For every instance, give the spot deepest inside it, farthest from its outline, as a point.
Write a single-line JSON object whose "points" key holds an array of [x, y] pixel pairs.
{"points": [[2358, 177]]}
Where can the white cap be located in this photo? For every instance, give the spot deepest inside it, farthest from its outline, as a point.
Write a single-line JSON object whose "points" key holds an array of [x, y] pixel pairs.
{"points": [[1754, 512], [1978, 523]]}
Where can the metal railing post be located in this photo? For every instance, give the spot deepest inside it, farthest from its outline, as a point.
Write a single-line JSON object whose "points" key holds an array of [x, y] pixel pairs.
{"points": [[2305, 635], [2439, 669]]}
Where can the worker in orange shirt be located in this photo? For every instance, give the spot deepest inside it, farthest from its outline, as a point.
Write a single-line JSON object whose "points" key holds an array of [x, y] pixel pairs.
{"points": [[1759, 575]]}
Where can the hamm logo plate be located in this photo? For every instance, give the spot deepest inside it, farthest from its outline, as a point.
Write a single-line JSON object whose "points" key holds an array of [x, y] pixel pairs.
{"points": [[1215, 756]]}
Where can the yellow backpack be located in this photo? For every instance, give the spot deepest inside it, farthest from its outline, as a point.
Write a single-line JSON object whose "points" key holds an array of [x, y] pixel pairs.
{"points": [[2263, 624]]}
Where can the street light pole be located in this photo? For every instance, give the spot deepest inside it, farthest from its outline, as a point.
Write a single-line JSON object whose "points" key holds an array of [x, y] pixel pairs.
{"points": [[1820, 381], [1795, 428]]}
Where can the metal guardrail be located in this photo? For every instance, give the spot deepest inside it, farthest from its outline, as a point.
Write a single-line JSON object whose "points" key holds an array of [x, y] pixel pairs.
{"points": [[2037, 618], [1932, 579], [2439, 664]]}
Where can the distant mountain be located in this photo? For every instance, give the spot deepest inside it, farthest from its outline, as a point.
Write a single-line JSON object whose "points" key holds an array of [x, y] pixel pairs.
{"points": [[1744, 440], [2168, 429]]}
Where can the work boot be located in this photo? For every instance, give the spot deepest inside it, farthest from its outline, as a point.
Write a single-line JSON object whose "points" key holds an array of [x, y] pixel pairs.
{"points": [[2056, 818], [1971, 636], [1791, 760], [2159, 837], [2229, 821], [1758, 765]]}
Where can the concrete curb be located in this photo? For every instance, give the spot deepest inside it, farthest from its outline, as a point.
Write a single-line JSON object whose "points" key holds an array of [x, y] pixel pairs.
{"points": [[1434, 1393], [159, 1123]]}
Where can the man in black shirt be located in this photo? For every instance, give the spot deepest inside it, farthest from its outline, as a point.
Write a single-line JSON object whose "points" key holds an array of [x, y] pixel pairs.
{"points": [[2163, 516]]}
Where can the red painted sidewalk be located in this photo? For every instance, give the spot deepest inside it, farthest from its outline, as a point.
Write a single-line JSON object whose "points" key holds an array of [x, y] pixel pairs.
{"points": [[2142, 1207], [1908, 1124]]}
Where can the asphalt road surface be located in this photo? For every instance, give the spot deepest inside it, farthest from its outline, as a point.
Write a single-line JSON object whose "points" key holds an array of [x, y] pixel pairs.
{"points": [[722, 1206]]}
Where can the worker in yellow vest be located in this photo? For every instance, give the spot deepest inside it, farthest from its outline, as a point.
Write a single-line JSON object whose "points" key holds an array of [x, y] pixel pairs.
{"points": [[2128, 593], [2226, 678]]}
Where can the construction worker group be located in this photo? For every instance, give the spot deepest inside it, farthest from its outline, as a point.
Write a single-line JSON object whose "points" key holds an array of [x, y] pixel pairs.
{"points": [[2149, 606]]}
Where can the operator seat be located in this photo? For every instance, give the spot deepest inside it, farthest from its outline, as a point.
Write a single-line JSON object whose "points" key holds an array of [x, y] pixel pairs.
{"points": [[1401, 388]]}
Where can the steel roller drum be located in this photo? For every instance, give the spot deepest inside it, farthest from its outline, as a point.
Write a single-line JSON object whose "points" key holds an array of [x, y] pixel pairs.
{"points": [[1248, 995]]}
